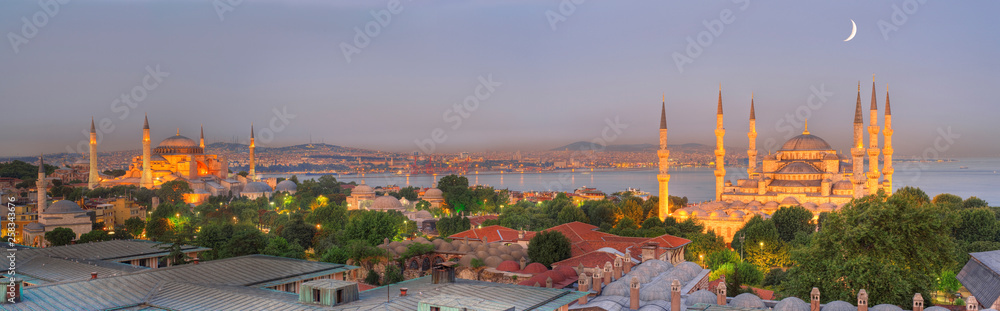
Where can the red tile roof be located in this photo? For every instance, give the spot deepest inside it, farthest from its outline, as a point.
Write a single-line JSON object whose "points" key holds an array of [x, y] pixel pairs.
{"points": [[493, 233], [478, 220], [589, 260], [669, 241]]}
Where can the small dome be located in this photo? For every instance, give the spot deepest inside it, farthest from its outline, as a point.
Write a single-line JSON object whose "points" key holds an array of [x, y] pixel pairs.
{"points": [[566, 271], [791, 304], [509, 266], [655, 290], [617, 288], [63, 207], [827, 207], [286, 185], [888, 307], [493, 261], [805, 142], [386, 202], [747, 300], [256, 186], [445, 247], [789, 201], [839, 305], [842, 185], [35, 226], [433, 193], [82, 161], [798, 168], [423, 215], [555, 275], [771, 204], [810, 206], [703, 296], [362, 189], [464, 248], [936, 308], [534, 268]]}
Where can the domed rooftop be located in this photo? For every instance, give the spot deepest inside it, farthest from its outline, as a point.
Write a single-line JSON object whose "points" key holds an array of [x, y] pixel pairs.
{"points": [[534, 267], [509, 266], [177, 141], [423, 215], [701, 296], [256, 186], [936, 308], [34, 226], [839, 305], [798, 168], [887, 307], [386, 202], [805, 142], [362, 189], [63, 207], [842, 185], [747, 300], [433, 193], [789, 201], [791, 304], [286, 185]]}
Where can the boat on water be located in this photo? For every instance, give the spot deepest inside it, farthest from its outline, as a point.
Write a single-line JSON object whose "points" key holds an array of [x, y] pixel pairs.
{"points": [[963, 167]]}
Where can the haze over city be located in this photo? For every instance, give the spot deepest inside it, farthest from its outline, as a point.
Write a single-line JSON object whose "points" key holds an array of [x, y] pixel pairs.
{"points": [[557, 79]]}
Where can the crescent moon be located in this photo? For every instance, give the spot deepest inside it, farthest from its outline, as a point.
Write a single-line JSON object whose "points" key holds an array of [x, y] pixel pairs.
{"points": [[854, 31]]}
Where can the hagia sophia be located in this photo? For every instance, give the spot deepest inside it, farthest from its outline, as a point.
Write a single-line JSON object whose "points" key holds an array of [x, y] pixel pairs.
{"points": [[805, 172]]}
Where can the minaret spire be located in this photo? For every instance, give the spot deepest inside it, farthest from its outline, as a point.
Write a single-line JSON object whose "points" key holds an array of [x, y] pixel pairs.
{"points": [[146, 179], [858, 150], [720, 151], [201, 142], [752, 135], [663, 178], [887, 151], [253, 172], [873, 149], [41, 186], [92, 177]]}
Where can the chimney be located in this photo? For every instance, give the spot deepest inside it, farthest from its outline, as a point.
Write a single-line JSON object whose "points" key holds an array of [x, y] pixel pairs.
{"points": [[196, 260], [13, 291], [607, 272], [814, 299], [93, 275], [520, 235], [597, 280], [402, 292], [648, 252], [633, 294], [585, 287], [618, 268], [628, 261], [918, 302], [524, 262], [720, 293], [971, 304], [675, 295], [548, 282], [862, 300]]}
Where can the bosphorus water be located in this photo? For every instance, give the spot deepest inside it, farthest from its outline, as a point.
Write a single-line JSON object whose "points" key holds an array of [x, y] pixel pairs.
{"points": [[965, 177]]}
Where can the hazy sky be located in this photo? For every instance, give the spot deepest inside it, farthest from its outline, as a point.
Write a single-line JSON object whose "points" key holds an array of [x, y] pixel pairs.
{"points": [[227, 66]]}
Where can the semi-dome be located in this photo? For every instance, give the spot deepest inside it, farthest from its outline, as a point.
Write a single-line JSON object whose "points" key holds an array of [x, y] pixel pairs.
{"points": [[63, 207], [433, 193], [286, 185], [791, 304], [256, 186], [177, 144], [805, 142], [747, 300], [798, 168], [386, 202]]}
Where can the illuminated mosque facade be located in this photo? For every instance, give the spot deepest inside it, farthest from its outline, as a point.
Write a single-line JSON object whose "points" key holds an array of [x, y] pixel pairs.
{"points": [[805, 172]]}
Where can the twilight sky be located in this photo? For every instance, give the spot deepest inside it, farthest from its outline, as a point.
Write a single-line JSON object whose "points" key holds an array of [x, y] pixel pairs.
{"points": [[560, 72]]}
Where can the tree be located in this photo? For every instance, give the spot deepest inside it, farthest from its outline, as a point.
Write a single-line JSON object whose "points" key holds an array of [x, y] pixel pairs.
{"points": [[703, 244], [393, 275], [335, 254], [948, 283], [716, 259], [174, 244], [134, 226], [94, 236], [974, 202], [245, 241], [913, 195], [977, 224], [571, 214], [115, 172], [947, 200], [894, 246], [410, 193], [60, 236], [789, 220], [548, 247], [456, 192], [373, 227], [299, 232], [280, 247], [452, 225], [173, 191]]}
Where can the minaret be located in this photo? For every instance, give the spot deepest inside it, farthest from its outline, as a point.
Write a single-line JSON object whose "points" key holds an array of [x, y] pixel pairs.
{"points": [[858, 150], [873, 150], [887, 151], [664, 154], [201, 143], [720, 151], [253, 171], [41, 185], [752, 151], [92, 179], [146, 180]]}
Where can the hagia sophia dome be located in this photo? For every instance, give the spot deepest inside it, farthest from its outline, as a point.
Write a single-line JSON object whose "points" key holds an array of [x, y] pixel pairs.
{"points": [[177, 144]]}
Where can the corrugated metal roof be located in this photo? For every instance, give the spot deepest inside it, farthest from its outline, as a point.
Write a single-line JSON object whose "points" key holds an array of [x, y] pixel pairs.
{"points": [[116, 250], [981, 276], [43, 270], [521, 297]]}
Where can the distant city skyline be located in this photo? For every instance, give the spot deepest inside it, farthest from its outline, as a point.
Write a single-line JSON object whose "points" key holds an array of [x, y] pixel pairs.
{"points": [[544, 74]]}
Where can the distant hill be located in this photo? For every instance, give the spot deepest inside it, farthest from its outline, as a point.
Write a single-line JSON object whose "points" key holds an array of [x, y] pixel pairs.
{"points": [[583, 145], [231, 147]]}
